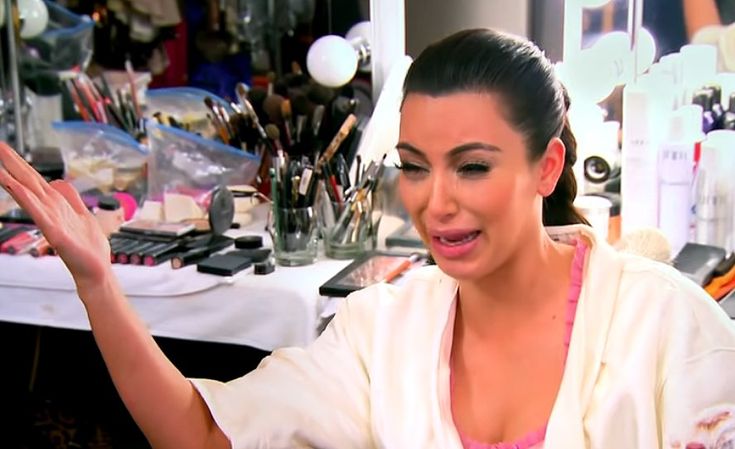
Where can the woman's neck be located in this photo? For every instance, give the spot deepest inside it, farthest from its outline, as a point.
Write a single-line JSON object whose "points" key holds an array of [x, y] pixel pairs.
{"points": [[527, 283]]}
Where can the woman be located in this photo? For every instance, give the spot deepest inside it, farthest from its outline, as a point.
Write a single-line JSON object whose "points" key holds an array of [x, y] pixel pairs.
{"points": [[516, 339]]}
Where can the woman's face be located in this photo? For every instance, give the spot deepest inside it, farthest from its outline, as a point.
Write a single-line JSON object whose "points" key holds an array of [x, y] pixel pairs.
{"points": [[466, 181]]}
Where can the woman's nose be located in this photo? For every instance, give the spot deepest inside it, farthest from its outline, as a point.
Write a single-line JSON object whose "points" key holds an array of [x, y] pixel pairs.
{"points": [[442, 201]]}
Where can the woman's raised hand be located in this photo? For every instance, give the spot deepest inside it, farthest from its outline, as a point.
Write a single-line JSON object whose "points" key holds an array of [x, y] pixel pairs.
{"points": [[60, 214]]}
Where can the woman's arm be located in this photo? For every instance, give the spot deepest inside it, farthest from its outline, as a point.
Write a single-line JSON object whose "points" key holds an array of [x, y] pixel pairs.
{"points": [[163, 403], [699, 14]]}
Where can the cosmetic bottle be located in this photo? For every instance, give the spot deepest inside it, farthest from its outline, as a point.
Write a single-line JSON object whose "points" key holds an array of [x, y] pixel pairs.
{"points": [[718, 111], [644, 108], [676, 173], [727, 81], [728, 122], [596, 209], [714, 186], [109, 214], [705, 99]]}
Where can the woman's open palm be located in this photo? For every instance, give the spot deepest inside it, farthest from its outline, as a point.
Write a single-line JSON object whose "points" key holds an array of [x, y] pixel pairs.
{"points": [[61, 215]]}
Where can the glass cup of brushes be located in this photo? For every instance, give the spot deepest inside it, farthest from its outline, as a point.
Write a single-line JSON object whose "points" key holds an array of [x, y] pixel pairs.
{"points": [[350, 228], [295, 234]]}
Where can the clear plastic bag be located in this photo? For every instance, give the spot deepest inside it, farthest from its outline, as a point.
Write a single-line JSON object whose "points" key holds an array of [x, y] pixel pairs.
{"points": [[182, 163], [186, 105], [66, 43], [102, 157]]}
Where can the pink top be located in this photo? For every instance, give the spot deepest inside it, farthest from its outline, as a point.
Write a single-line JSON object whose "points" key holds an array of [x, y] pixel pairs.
{"points": [[535, 440]]}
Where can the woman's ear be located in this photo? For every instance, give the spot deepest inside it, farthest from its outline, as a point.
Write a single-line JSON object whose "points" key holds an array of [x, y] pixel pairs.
{"points": [[551, 166]]}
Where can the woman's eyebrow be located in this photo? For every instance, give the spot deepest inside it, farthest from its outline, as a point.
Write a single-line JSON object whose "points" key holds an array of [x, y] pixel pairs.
{"points": [[470, 146], [410, 148]]}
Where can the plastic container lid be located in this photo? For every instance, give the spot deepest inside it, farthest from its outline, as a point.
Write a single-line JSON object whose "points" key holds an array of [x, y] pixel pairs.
{"points": [[716, 90], [727, 81], [615, 201], [704, 98], [108, 203]]}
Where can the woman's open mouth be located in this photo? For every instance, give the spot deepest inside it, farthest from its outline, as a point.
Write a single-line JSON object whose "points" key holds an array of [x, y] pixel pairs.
{"points": [[453, 244]]}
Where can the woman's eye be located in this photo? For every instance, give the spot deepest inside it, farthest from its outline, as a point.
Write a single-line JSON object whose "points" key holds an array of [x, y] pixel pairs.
{"points": [[411, 170], [474, 169]]}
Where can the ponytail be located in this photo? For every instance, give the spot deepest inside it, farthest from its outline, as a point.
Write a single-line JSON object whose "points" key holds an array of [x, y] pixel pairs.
{"points": [[558, 208]]}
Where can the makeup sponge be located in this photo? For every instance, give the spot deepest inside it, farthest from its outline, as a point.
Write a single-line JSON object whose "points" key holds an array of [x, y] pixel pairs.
{"points": [[648, 242], [128, 204]]}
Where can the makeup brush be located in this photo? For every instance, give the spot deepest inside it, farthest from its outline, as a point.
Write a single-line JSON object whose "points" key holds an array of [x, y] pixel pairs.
{"points": [[216, 119], [77, 100], [271, 76], [133, 87], [316, 119], [333, 146], [296, 68], [300, 105], [401, 268], [242, 97], [319, 94], [272, 108], [274, 135], [287, 116]]}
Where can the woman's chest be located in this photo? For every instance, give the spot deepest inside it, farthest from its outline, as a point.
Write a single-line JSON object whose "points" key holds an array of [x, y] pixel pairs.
{"points": [[503, 391]]}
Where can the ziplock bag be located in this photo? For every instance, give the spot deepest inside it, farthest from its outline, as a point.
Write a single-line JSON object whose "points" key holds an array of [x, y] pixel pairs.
{"points": [[66, 43], [186, 105], [184, 163], [99, 156]]}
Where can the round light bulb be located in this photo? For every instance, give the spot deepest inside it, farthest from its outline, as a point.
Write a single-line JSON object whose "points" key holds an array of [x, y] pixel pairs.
{"points": [[332, 61], [646, 50], [590, 77], [362, 30], [614, 49], [34, 17], [360, 36]]}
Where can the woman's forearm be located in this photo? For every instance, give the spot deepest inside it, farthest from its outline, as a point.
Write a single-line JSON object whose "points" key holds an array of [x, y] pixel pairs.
{"points": [[161, 400]]}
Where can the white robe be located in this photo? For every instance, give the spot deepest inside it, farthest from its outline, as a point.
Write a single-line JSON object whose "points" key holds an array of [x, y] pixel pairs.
{"points": [[649, 366]]}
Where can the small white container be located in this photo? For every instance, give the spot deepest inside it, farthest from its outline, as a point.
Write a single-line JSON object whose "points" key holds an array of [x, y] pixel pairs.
{"points": [[596, 210]]}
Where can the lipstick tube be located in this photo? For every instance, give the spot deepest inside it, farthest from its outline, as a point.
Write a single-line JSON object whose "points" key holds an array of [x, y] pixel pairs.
{"points": [[135, 257], [190, 257], [121, 251], [41, 248], [8, 233], [161, 254], [20, 243], [125, 255]]}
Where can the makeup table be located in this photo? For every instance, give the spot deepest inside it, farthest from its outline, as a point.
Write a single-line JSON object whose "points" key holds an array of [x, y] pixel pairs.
{"points": [[265, 312], [280, 309]]}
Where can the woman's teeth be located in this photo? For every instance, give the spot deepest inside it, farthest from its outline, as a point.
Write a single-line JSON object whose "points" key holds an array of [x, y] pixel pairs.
{"points": [[462, 241]]}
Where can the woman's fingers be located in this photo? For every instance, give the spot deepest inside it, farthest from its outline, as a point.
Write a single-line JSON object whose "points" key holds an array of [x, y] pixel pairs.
{"points": [[70, 194], [21, 170], [25, 198]]}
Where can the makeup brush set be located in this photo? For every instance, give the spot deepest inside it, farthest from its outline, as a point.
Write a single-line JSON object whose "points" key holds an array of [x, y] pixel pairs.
{"points": [[95, 101]]}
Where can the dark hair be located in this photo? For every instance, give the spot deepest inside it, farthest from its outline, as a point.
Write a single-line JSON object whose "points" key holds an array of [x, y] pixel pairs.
{"points": [[535, 102]]}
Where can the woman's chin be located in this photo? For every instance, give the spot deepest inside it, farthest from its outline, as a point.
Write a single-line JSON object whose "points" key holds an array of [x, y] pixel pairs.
{"points": [[461, 270]]}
